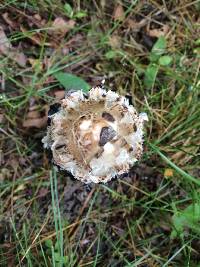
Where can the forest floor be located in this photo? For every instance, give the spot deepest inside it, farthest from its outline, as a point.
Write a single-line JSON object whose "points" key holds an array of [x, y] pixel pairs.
{"points": [[146, 50]]}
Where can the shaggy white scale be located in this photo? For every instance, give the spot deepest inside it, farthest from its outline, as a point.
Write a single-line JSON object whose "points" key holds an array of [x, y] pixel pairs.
{"points": [[95, 137]]}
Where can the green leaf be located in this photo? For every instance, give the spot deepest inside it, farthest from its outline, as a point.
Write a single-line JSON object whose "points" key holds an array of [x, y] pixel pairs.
{"points": [[111, 54], [80, 14], [160, 46], [158, 49], [189, 217], [68, 10], [150, 75], [48, 243], [57, 256], [165, 60], [197, 51], [197, 42], [71, 82], [65, 259]]}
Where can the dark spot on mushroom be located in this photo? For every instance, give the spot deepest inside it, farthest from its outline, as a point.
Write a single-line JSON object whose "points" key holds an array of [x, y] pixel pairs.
{"points": [[59, 146], [106, 135], [53, 109], [135, 128], [130, 149], [107, 116]]}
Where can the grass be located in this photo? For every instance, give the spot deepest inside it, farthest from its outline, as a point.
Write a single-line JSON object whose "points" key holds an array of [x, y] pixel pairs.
{"points": [[145, 219]]}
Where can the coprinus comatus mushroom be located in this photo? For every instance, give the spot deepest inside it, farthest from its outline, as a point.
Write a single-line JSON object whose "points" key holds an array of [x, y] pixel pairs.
{"points": [[96, 136]]}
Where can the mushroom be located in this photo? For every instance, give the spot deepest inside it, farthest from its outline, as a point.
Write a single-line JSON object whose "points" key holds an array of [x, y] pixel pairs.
{"points": [[95, 137]]}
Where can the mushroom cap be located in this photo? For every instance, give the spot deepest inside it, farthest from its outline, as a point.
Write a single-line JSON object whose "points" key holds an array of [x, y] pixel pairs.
{"points": [[96, 136]]}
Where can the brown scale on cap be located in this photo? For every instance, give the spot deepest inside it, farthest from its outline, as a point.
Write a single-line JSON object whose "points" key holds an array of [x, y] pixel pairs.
{"points": [[106, 135], [107, 116]]}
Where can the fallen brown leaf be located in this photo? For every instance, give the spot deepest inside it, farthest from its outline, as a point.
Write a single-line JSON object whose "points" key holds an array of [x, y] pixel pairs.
{"points": [[34, 117], [11, 23], [4, 42], [119, 13], [37, 122], [136, 26], [60, 94], [39, 20], [62, 26], [158, 32], [19, 57], [7, 50]]}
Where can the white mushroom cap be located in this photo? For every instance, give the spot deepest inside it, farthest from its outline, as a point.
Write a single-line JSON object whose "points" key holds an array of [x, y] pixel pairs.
{"points": [[95, 137]]}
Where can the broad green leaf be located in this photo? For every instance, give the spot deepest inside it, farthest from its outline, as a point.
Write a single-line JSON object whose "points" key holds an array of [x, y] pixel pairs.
{"points": [[189, 217], [165, 60], [150, 75], [158, 49], [71, 82], [68, 10]]}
